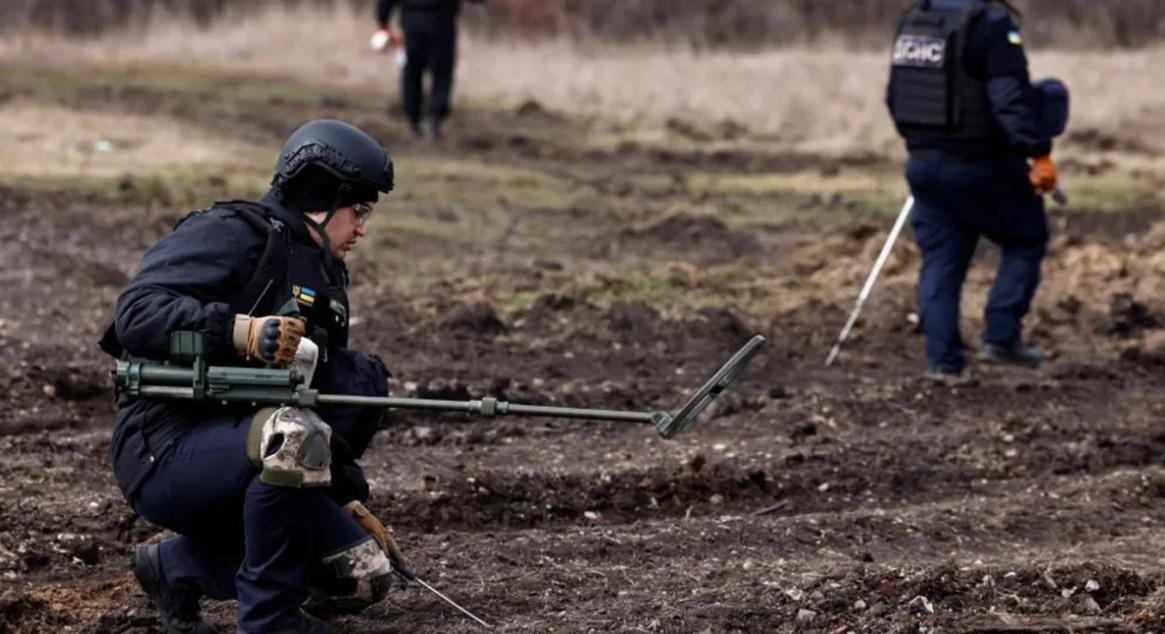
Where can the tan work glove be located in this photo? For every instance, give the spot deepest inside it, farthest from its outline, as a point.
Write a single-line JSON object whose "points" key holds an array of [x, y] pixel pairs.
{"points": [[1043, 174], [272, 340], [382, 536]]}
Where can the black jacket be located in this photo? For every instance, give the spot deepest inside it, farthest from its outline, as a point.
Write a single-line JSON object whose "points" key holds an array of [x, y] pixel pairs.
{"points": [[995, 56], [434, 16], [195, 278]]}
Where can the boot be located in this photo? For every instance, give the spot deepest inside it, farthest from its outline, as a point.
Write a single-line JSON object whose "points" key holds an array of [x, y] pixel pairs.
{"points": [[952, 379], [179, 615], [434, 128], [1017, 354]]}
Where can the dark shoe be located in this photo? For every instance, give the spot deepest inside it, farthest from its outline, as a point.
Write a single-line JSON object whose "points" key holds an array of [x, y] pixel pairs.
{"points": [[306, 625], [952, 379], [179, 615], [434, 129], [415, 128], [1017, 354]]}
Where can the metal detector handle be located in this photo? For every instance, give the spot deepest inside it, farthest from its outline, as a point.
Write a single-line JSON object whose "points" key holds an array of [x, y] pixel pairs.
{"points": [[290, 309]]}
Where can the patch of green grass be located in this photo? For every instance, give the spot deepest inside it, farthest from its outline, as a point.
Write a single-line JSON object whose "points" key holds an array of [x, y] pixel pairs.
{"points": [[474, 185], [508, 304], [471, 201], [180, 188], [1114, 196], [748, 201]]}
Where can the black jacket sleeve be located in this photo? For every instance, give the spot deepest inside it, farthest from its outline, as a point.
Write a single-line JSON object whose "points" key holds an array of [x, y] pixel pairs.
{"points": [[184, 283], [1009, 89], [384, 12]]}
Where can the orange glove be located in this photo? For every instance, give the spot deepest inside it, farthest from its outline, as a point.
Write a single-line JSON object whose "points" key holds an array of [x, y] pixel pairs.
{"points": [[384, 537], [1043, 174]]}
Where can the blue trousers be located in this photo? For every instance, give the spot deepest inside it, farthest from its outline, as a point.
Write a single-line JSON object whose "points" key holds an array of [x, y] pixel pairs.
{"points": [[239, 538], [956, 202]]}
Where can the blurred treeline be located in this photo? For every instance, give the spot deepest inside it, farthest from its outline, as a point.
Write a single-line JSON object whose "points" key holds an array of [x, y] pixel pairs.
{"points": [[697, 23]]}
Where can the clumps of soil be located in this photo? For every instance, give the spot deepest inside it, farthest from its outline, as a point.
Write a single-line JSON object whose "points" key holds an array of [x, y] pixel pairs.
{"points": [[722, 322], [477, 319], [1093, 139], [534, 109], [1129, 317], [633, 321], [519, 500], [70, 383], [698, 239], [935, 595]]}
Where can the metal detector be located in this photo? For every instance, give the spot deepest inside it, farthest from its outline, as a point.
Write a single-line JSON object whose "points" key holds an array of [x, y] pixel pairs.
{"points": [[188, 377]]}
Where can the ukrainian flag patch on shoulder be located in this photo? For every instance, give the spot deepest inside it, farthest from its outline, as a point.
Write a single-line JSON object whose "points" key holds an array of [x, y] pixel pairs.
{"points": [[1014, 38], [305, 295]]}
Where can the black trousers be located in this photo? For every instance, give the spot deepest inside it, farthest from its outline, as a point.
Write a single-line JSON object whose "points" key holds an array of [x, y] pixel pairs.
{"points": [[436, 52]]}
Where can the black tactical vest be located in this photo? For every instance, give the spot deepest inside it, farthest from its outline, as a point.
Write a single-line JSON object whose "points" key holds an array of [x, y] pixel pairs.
{"points": [[289, 269], [932, 93], [286, 270]]}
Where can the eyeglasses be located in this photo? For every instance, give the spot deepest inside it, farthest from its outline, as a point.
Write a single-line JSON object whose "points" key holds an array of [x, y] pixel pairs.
{"points": [[363, 211]]}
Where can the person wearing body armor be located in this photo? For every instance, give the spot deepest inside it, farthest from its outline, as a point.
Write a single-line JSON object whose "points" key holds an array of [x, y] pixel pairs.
{"points": [[979, 136], [430, 44], [267, 505]]}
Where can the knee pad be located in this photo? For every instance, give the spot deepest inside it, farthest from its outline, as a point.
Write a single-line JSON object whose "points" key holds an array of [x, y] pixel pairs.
{"points": [[349, 580], [291, 447]]}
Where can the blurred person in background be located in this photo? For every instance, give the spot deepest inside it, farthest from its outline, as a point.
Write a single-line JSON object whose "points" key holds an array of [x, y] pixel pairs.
{"points": [[979, 136], [430, 44]]}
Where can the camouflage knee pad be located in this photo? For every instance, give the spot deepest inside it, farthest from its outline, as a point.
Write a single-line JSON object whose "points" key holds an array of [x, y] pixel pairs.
{"points": [[348, 581], [291, 447]]}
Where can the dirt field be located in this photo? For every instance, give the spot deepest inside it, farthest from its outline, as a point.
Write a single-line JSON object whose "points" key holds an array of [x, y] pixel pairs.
{"points": [[551, 260]]}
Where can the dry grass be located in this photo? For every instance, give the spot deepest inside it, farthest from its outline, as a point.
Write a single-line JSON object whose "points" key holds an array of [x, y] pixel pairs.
{"points": [[721, 24], [46, 141], [818, 99]]}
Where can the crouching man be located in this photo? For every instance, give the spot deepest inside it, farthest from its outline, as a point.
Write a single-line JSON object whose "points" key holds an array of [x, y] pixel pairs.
{"points": [[267, 505]]}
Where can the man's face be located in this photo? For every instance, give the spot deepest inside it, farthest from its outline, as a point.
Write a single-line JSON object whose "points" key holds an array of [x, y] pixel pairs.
{"points": [[344, 229]]}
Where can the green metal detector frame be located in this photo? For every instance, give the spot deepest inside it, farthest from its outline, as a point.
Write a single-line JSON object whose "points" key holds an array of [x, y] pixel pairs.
{"points": [[188, 377]]}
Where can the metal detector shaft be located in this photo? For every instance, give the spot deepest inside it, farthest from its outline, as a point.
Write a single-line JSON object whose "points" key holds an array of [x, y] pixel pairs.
{"points": [[490, 407], [485, 407], [882, 257]]}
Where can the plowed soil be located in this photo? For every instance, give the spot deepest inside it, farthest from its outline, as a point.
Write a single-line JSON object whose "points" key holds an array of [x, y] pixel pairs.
{"points": [[1030, 501]]}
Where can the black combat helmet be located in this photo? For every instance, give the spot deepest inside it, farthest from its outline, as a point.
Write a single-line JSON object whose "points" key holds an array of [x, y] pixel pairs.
{"points": [[328, 164], [346, 152]]}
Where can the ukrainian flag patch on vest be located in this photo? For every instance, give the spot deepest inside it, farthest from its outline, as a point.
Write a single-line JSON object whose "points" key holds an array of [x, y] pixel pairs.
{"points": [[1014, 38], [303, 295]]}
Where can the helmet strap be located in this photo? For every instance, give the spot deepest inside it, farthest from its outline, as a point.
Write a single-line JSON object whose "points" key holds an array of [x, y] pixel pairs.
{"points": [[320, 227]]}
